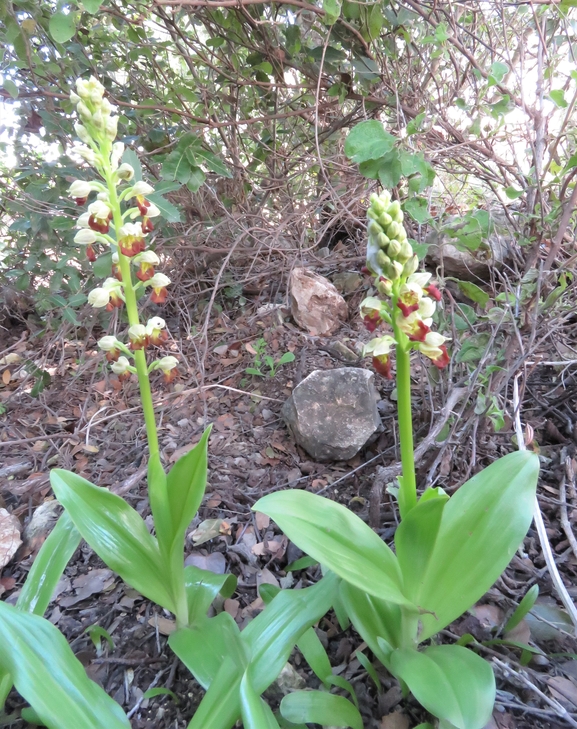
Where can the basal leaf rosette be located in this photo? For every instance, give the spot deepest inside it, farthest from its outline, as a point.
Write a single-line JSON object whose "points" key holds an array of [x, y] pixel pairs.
{"points": [[407, 298]]}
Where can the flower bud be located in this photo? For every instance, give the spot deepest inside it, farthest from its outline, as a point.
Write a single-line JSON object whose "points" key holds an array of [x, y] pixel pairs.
{"points": [[86, 153], [394, 248], [167, 363], [393, 270], [383, 241], [393, 230], [376, 204], [82, 88], [395, 209], [384, 286], [374, 228], [112, 127], [97, 119], [105, 108], [74, 98], [382, 259], [85, 237], [385, 220], [410, 266], [82, 133], [125, 172], [116, 154], [406, 252], [84, 112]]}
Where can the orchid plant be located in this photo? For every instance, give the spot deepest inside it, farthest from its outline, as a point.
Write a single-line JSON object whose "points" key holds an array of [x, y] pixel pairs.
{"points": [[234, 667], [448, 551]]}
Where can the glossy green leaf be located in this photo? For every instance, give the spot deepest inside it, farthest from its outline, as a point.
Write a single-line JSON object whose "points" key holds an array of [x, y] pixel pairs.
{"points": [[451, 682], [220, 706], [271, 636], [339, 539], [373, 619], [49, 676], [415, 540], [202, 587], [255, 713], [168, 211], [176, 166], [482, 526], [368, 140], [320, 707], [160, 691], [186, 484], [91, 6], [49, 566], [369, 668], [117, 533], [204, 648], [523, 608]]}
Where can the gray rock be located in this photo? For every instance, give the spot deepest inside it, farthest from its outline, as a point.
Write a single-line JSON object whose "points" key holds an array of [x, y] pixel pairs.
{"points": [[333, 413]]}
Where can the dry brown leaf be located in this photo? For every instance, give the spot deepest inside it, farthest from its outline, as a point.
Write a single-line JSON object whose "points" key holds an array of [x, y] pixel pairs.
{"points": [[9, 536], [164, 625], [490, 616], [396, 720], [564, 690], [232, 607], [262, 520], [6, 377]]}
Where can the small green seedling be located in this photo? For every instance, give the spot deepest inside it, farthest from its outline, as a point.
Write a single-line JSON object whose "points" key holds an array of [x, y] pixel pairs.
{"points": [[262, 360]]}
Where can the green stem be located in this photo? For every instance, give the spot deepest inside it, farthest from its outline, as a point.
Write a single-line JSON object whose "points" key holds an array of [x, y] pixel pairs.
{"points": [[408, 483]]}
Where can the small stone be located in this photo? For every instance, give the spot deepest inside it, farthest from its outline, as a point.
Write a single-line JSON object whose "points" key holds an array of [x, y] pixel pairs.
{"points": [[333, 413]]}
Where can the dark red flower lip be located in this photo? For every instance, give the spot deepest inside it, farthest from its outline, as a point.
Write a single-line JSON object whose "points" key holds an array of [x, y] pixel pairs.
{"points": [[443, 359], [407, 309], [382, 365], [372, 321], [422, 332], [433, 292]]}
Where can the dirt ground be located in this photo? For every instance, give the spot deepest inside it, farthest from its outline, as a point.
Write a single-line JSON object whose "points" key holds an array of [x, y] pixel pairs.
{"points": [[87, 421]]}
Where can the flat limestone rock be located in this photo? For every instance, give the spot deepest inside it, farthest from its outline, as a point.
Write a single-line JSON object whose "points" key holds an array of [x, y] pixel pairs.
{"points": [[316, 305], [333, 413]]}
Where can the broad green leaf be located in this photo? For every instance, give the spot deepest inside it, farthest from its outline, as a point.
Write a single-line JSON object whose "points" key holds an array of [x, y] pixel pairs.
{"points": [[220, 706], [389, 170], [49, 676], [339, 539], [211, 161], [376, 21], [320, 707], [373, 619], [332, 9], [186, 483], [418, 209], [168, 211], [117, 533], [414, 126], [513, 194], [451, 682], [197, 178], [10, 87], [368, 140], [91, 6], [474, 292], [557, 96], [203, 649], [286, 358], [255, 713], [483, 524], [49, 566], [176, 166], [497, 73], [272, 635], [62, 26], [315, 655], [415, 541], [201, 589], [523, 608]]}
